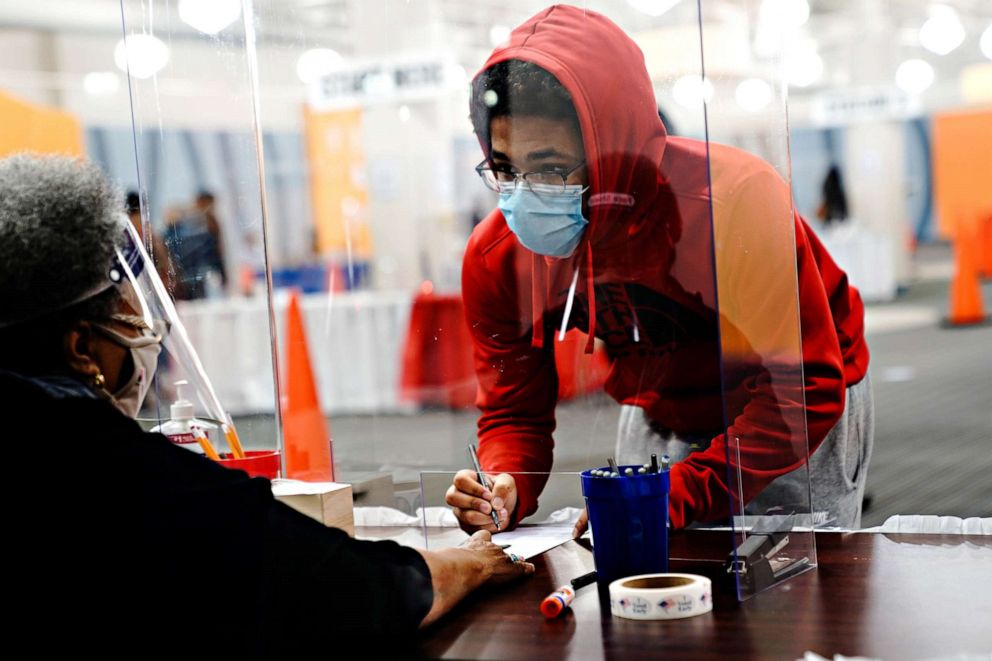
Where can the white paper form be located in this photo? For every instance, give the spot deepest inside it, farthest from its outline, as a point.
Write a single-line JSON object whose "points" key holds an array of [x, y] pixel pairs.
{"points": [[526, 541], [529, 541]]}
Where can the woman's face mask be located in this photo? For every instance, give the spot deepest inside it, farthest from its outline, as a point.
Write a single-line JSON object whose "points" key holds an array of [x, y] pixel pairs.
{"points": [[546, 219], [144, 350]]}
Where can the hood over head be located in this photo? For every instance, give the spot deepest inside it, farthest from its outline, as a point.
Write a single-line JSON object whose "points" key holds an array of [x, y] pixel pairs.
{"points": [[624, 139]]}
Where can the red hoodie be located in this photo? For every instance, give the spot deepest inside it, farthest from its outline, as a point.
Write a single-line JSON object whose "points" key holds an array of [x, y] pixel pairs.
{"points": [[674, 225]]}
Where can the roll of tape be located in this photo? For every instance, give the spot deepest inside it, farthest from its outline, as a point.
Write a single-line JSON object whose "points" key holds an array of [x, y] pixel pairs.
{"points": [[661, 596]]}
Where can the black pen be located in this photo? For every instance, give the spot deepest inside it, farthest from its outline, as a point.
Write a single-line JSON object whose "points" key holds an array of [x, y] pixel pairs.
{"points": [[584, 580], [482, 480]]}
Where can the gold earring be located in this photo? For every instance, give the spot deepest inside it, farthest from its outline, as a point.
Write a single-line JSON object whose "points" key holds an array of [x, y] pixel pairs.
{"points": [[99, 381]]}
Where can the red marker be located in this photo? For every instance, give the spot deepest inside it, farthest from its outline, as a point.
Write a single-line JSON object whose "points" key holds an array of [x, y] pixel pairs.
{"points": [[556, 602]]}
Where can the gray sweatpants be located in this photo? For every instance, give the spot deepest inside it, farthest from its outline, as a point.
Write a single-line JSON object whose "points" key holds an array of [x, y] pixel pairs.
{"points": [[838, 468]]}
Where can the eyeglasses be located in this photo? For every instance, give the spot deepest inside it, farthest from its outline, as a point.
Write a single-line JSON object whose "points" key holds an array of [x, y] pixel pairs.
{"points": [[133, 321], [503, 179], [159, 328]]}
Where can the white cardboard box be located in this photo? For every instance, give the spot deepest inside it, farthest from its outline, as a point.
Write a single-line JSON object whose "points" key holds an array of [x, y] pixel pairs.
{"points": [[327, 502]]}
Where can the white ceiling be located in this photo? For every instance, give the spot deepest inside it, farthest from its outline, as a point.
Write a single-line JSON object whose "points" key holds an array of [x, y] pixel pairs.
{"points": [[838, 27]]}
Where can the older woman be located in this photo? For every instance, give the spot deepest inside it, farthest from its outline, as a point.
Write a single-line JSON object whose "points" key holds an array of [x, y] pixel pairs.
{"points": [[120, 539]]}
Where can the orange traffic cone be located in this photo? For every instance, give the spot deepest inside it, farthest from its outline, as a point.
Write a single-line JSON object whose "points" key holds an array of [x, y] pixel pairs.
{"points": [[985, 236], [306, 441], [966, 293]]}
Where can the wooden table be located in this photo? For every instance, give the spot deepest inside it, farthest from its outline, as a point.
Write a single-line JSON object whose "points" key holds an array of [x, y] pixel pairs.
{"points": [[879, 595]]}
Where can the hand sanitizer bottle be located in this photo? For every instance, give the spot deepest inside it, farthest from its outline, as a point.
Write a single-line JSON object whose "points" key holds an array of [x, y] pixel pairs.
{"points": [[179, 428]]}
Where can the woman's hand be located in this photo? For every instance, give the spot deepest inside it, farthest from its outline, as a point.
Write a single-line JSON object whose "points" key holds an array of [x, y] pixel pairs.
{"points": [[456, 572], [500, 567]]}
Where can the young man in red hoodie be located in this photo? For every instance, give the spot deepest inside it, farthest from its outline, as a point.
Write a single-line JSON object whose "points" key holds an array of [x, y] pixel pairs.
{"points": [[607, 225]]}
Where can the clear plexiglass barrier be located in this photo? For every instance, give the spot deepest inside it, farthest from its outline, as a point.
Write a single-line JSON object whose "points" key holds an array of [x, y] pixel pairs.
{"points": [[198, 209], [563, 234]]}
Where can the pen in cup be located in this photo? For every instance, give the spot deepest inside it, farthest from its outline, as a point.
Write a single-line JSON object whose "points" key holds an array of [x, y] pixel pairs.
{"points": [[482, 480]]}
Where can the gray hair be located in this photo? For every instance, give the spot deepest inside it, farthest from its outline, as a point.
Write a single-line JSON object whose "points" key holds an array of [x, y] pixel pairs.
{"points": [[60, 221]]}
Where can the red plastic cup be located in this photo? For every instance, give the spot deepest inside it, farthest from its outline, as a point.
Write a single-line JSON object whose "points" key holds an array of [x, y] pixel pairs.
{"points": [[257, 463]]}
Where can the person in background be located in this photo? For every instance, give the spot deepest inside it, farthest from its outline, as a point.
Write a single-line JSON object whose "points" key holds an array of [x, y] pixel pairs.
{"points": [[125, 543], [206, 205], [833, 207], [193, 237], [607, 225]]}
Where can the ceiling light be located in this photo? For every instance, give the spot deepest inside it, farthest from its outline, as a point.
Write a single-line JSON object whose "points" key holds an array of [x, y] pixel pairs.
{"points": [[975, 82], [778, 25], [141, 55], [314, 63], [209, 16], [753, 94], [456, 75], [499, 35], [692, 91], [986, 42], [804, 66], [784, 13], [101, 83], [942, 31], [653, 7], [914, 76]]}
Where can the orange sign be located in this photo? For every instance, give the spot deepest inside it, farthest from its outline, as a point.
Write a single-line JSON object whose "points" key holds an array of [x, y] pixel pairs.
{"points": [[31, 127], [338, 190], [962, 169]]}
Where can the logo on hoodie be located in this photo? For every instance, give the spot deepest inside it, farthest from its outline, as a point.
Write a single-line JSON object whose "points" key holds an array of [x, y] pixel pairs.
{"points": [[611, 200]]}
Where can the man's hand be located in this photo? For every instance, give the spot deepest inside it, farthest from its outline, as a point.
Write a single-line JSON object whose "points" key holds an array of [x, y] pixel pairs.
{"points": [[472, 503], [581, 524]]}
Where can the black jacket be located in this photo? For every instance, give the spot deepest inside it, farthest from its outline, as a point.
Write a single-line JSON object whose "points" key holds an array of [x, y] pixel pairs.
{"points": [[120, 542]]}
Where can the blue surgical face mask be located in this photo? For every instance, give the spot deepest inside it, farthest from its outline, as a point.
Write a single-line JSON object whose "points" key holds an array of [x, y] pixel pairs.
{"points": [[545, 219]]}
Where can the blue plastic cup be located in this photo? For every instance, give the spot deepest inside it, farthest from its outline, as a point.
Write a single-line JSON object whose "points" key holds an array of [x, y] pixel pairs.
{"points": [[629, 520]]}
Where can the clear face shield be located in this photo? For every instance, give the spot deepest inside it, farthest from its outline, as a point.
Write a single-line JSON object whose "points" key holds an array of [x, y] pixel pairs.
{"points": [[147, 306]]}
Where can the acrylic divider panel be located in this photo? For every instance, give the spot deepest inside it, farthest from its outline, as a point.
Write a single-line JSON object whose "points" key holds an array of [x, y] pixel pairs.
{"points": [[391, 168], [369, 158], [783, 391], [193, 137]]}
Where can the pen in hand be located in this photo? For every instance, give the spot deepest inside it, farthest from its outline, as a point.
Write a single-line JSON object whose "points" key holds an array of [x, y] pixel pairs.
{"points": [[482, 480]]}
